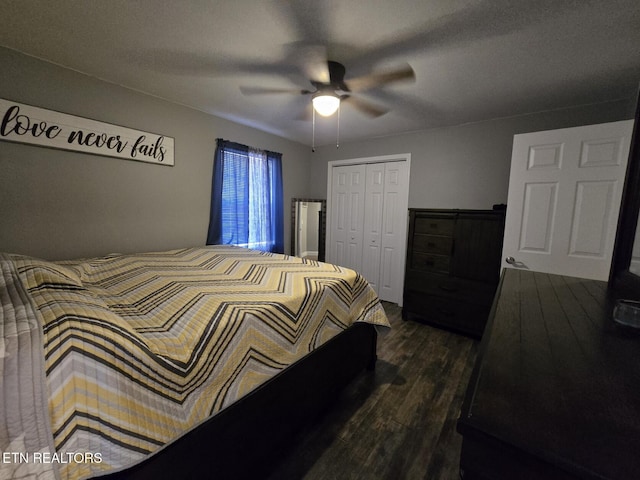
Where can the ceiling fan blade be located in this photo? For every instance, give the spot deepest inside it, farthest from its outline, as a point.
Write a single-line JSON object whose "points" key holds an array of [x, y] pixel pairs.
{"points": [[308, 19], [311, 59], [367, 82], [411, 106], [336, 74], [269, 91], [366, 107], [186, 63]]}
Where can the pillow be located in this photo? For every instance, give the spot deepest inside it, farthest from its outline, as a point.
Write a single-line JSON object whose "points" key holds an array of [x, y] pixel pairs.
{"points": [[57, 291], [38, 273]]}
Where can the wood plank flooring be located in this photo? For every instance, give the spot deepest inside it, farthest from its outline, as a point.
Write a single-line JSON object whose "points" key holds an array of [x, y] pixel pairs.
{"points": [[397, 422]]}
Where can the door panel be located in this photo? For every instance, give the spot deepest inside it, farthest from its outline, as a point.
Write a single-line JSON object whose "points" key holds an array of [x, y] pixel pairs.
{"points": [[591, 218], [537, 217], [564, 197], [386, 276], [394, 230], [545, 156], [347, 213], [375, 200], [601, 153]]}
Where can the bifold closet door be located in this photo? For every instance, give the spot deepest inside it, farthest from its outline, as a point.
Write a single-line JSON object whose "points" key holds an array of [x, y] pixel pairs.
{"points": [[347, 216], [368, 223], [384, 227], [374, 208], [394, 231]]}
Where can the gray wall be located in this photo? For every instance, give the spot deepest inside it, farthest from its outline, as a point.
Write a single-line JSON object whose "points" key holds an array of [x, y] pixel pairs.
{"points": [[56, 204], [465, 166]]}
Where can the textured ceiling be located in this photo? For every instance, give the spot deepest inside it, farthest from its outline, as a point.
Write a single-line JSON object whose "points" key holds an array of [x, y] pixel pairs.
{"points": [[473, 59]]}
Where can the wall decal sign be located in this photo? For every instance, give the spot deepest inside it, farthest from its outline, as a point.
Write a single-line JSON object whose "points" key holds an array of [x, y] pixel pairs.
{"points": [[47, 128]]}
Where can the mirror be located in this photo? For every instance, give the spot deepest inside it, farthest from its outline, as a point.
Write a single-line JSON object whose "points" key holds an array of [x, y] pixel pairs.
{"points": [[308, 224], [625, 269], [634, 266]]}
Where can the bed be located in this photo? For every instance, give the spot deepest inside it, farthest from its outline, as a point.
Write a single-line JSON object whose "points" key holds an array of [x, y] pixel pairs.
{"points": [[191, 363]]}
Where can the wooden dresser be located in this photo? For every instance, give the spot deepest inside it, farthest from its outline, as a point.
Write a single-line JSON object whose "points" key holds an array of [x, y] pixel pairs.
{"points": [[453, 267], [555, 393]]}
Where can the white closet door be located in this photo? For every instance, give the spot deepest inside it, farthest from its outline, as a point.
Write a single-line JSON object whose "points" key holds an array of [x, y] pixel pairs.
{"points": [[347, 215], [374, 207], [367, 229], [394, 231], [385, 227]]}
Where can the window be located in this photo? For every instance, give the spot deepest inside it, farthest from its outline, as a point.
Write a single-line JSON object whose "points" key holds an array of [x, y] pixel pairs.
{"points": [[246, 198]]}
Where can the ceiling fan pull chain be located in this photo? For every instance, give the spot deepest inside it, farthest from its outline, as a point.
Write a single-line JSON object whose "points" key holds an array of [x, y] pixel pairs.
{"points": [[338, 133], [313, 129]]}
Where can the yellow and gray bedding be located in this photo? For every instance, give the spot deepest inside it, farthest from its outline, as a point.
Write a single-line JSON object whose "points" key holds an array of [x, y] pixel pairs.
{"points": [[138, 349]]}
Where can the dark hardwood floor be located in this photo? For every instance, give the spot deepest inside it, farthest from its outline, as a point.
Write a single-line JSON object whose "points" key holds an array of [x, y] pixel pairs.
{"points": [[397, 422]]}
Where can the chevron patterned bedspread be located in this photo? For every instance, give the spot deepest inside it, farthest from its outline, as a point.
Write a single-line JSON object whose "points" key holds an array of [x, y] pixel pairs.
{"points": [[105, 361]]}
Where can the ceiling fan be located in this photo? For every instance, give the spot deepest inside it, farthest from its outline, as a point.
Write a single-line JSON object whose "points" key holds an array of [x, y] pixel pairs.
{"points": [[330, 88]]}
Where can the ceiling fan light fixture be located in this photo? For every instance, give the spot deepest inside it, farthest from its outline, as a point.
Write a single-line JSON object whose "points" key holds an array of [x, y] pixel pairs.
{"points": [[325, 104]]}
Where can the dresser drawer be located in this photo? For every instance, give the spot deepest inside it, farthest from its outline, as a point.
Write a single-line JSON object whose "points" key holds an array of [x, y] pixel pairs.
{"points": [[433, 244], [434, 225], [447, 286], [427, 262], [464, 317]]}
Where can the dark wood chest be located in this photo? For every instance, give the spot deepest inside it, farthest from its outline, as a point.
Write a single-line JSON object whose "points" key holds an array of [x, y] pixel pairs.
{"points": [[453, 267], [555, 392]]}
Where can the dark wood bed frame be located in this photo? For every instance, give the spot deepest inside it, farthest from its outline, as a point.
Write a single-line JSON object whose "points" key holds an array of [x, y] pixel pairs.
{"points": [[249, 438]]}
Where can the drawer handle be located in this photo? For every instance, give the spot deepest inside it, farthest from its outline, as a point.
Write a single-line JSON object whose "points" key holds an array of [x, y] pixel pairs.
{"points": [[448, 288]]}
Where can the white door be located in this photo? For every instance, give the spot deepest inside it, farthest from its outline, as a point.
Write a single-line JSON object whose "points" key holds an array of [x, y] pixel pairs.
{"points": [[379, 250], [347, 216], [374, 201], [394, 231], [564, 197]]}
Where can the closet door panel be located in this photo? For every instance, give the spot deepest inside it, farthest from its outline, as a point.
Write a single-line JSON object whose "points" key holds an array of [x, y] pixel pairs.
{"points": [[337, 248], [348, 206], [375, 201], [394, 234]]}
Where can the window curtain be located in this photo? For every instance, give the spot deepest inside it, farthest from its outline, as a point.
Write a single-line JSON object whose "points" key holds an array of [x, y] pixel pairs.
{"points": [[246, 198]]}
